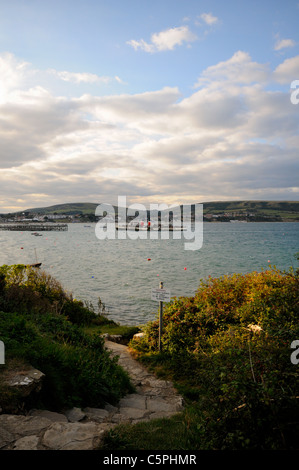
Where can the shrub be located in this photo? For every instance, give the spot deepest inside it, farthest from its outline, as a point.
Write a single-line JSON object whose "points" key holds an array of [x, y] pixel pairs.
{"points": [[268, 299], [228, 349], [75, 311], [42, 325], [78, 370], [32, 291]]}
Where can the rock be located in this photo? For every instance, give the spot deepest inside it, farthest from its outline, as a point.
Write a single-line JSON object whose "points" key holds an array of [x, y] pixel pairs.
{"points": [[25, 381], [73, 436], [129, 414], [6, 437], [26, 443], [158, 404], [15, 427], [74, 415], [19, 383], [110, 408], [114, 338], [133, 401], [96, 414], [51, 415]]}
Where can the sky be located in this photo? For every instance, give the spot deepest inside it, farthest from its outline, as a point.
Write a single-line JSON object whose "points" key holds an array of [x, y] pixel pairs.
{"points": [[169, 101]]}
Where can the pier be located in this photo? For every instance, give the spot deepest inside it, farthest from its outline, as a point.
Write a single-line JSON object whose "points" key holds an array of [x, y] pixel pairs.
{"points": [[37, 227]]}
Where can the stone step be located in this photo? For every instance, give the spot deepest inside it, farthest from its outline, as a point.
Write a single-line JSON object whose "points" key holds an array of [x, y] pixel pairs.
{"points": [[85, 429]]}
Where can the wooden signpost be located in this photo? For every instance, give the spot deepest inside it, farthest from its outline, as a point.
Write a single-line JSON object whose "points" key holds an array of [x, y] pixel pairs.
{"points": [[161, 295]]}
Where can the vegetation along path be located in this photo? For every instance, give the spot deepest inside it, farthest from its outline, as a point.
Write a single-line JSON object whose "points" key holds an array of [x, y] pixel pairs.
{"points": [[78, 429]]}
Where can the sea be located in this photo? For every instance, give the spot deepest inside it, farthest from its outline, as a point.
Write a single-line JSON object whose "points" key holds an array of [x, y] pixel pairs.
{"points": [[123, 273]]}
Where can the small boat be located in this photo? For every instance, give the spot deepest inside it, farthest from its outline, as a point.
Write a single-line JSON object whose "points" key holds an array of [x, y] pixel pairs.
{"points": [[35, 265]]}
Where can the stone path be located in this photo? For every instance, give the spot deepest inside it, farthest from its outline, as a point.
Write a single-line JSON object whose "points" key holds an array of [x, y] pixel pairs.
{"points": [[84, 429]]}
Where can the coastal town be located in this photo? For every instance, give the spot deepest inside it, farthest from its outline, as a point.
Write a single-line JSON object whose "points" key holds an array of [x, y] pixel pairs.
{"points": [[233, 211]]}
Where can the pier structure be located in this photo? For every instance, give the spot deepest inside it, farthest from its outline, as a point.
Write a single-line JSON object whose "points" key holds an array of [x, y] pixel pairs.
{"points": [[37, 227]]}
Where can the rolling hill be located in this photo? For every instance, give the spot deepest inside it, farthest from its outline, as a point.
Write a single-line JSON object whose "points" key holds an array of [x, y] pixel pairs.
{"points": [[213, 211]]}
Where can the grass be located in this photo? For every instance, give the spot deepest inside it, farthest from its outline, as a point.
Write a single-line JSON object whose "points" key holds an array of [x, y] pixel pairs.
{"points": [[127, 332], [157, 434]]}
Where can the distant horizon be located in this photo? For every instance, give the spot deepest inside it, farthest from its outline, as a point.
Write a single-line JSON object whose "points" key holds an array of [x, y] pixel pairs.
{"points": [[191, 203]]}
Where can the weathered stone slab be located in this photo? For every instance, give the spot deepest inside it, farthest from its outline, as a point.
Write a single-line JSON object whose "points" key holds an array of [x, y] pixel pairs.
{"points": [[6, 437], [133, 413], [96, 414], [133, 401], [74, 415], [15, 427], [51, 415], [23, 425], [73, 436], [160, 404], [26, 381], [27, 443]]}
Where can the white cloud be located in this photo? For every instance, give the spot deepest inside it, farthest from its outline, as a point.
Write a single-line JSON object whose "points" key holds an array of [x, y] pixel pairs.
{"points": [[208, 18], [13, 73], [284, 43], [79, 77], [287, 71], [230, 139], [238, 69], [165, 40], [141, 44], [83, 77]]}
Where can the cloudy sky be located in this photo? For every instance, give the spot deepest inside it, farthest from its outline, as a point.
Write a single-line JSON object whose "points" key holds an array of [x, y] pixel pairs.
{"points": [[173, 101]]}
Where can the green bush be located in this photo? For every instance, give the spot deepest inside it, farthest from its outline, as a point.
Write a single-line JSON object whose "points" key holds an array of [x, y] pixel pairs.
{"points": [[41, 325], [268, 299], [30, 290], [78, 370], [228, 349], [77, 313]]}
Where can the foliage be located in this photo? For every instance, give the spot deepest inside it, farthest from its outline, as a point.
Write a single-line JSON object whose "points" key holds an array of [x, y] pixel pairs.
{"points": [[228, 349], [41, 325], [29, 290]]}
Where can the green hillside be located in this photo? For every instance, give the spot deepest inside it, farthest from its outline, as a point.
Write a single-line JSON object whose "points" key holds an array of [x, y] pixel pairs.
{"points": [[258, 209], [275, 211], [68, 209]]}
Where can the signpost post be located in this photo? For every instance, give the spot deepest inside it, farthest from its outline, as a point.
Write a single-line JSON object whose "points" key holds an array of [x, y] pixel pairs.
{"points": [[160, 319], [161, 295]]}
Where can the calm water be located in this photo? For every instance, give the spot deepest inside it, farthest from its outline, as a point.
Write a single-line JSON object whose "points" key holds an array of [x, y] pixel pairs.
{"points": [[118, 271]]}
